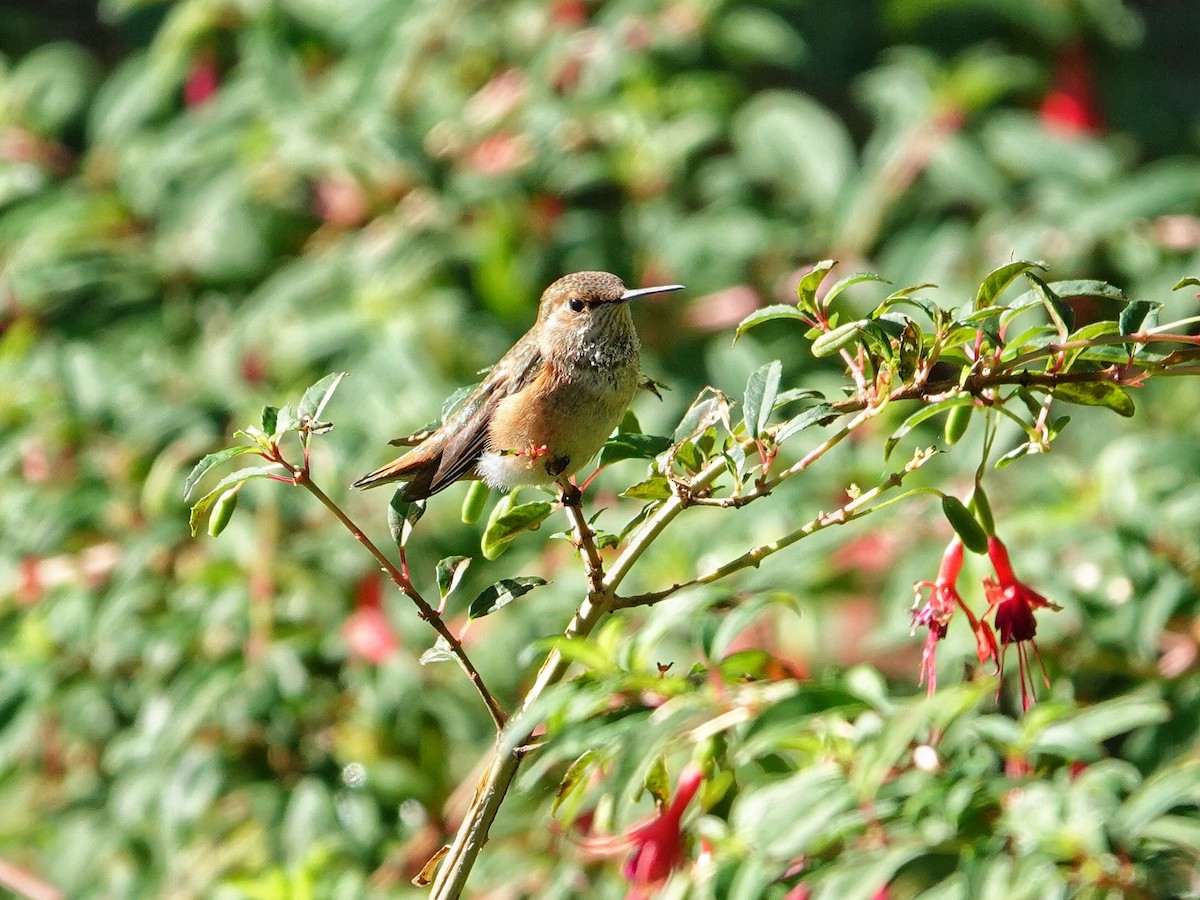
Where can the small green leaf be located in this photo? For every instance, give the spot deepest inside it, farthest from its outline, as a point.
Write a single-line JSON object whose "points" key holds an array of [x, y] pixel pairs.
{"points": [[710, 406], [286, 420], [925, 412], [1012, 455], [965, 525], [657, 782], [1060, 312], [402, 516], [510, 521], [449, 573], [439, 652], [1133, 315], [767, 314], [502, 593], [1096, 393], [633, 446], [849, 281], [998, 279], [806, 290], [312, 404], [655, 487], [1190, 281], [201, 507], [573, 778], [820, 414], [270, 417], [213, 459], [761, 391], [838, 339]]}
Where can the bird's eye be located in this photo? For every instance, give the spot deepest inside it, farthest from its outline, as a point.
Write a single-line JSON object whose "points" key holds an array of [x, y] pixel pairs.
{"points": [[576, 304]]}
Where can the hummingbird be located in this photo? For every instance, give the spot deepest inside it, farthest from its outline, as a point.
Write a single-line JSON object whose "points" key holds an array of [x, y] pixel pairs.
{"points": [[547, 406]]}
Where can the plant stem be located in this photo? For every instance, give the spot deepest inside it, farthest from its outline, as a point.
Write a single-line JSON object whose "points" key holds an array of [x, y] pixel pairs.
{"points": [[427, 612], [472, 833]]}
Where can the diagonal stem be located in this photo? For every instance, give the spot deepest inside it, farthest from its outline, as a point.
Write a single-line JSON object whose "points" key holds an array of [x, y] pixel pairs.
{"points": [[427, 612]]}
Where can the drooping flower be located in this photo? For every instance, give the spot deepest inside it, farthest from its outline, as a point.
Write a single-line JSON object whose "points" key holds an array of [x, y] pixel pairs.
{"points": [[656, 846], [1012, 603], [367, 630], [1072, 105], [937, 611]]}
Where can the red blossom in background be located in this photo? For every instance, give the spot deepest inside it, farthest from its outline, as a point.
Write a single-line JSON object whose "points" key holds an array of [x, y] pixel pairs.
{"points": [[1072, 106], [1013, 602], [367, 630], [202, 80]]}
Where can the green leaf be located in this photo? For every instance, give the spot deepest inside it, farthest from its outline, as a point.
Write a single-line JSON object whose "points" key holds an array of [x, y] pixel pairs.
{"points": [[1178, 784], [449, 573], [655, 487], [925, 412], [312, 404], [657, 782], [764, 816], [761, 391], [965, 525], [1060, 313], [270, 416], [573, 778], [806, 290], [204, 504], [817, 415], [286, 420], [633, 446], [402, 516], [1012, 455], [502, 593], [767, 314], [1096, 393], [839, 338], [998, 279], [849, 281], [1133, 315], [1190, 281], [502, 529], [213, 459], [439, 652]]}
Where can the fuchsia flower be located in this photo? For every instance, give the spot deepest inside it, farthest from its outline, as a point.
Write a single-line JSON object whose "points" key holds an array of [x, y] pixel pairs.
{"points": [[943, 600], [1072, 105], [1014, 603], [367, 630], [658, 844]]}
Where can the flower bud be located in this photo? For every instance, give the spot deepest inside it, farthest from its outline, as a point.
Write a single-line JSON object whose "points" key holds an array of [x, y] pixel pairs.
{"points": [[222, 511]]}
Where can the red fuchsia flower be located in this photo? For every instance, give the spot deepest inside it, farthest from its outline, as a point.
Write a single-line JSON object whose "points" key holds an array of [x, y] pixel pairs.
{"points": [[943, 600], [657, 844], [1072, 106], [367, 630], [203, 79], [1013, 602]]}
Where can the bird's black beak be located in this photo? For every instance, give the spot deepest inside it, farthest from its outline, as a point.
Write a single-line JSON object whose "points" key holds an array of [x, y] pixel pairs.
{"points": [[642, 292]]}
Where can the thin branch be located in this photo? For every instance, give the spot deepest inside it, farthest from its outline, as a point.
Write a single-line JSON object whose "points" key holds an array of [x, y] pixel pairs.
{"points": [[472, 832], [854, 509], [427, 612]]}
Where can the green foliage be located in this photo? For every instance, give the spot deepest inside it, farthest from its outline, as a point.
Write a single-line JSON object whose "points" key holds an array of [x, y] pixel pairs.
{"points": [[204, 207]]}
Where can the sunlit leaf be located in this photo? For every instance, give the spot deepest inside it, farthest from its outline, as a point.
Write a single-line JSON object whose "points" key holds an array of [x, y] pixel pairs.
{"points": [[998, 279], [449, 573], [767, 314], [312, 404], [502, 593], [503, 529], [761, 391], [213, 459], [1096, 393], [402, 516]]}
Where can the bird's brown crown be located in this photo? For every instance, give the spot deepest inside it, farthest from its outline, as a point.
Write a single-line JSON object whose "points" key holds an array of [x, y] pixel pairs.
{"points": [[590, 288]]}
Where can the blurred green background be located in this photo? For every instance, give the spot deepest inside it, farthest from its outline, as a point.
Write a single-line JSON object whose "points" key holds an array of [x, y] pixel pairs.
{"points": [[207, 205]]}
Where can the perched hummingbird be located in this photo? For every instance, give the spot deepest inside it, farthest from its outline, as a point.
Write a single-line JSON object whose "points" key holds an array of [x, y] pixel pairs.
{"points": [[547, 406]]}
